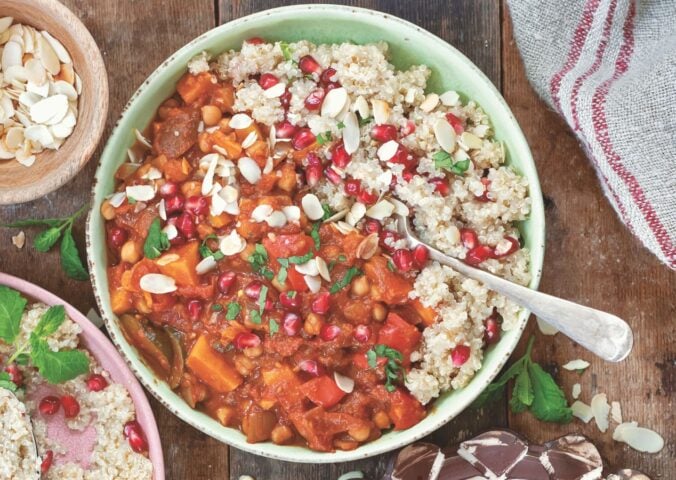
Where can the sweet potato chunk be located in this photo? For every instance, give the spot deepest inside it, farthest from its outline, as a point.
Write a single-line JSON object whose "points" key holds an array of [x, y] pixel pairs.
{"points": [[386, 286], [183, 269], [212, 368], [192, 87]]}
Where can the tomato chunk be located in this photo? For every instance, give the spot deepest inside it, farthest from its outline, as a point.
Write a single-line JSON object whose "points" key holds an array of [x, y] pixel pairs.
{"points": [[397, 333], [323, 391], [296, 280]]}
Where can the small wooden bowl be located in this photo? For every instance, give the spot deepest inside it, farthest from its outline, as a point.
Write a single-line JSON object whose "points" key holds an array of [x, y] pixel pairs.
{"points": [[53, 168]]}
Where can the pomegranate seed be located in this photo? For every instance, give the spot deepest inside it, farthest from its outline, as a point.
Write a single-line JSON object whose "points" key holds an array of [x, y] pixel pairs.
{"points": [[168, 189], [371, 225], [135, 436], [15, 374], [308, 65], [407, 176], [292, 324], [313, 173], [313, 159], [384, 133], [311, 367], [285, 129], [333, 176], [469, 238], [47, 461], [484, 196], [197, 205], [254, 40], [492, 329], [195, 308], [290, 302], [332, 85], [329, 332], [285, 99], [186, 225], [253, 290], [402, 259], [455, 122], [506, 247], [177, 240], [366, 197], [303, 139], [420, 255], [174, 204], [460, 355], [441, 186], [96, 383], [71, 407], [339, 156], [352, 187], [408, 129], [314, 100], [246, 340], [49, 405], [225, 281], [478, 254], [388, 235], [117, 236], [267, 80], [362, 333], [320, 305], [327, 75]]}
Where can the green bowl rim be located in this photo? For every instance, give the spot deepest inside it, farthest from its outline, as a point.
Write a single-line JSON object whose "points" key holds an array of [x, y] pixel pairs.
{"points": [[384, 444]]}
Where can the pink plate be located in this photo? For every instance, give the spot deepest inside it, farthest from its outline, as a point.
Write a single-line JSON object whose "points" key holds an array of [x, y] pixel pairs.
{"points": [[106, 354]]}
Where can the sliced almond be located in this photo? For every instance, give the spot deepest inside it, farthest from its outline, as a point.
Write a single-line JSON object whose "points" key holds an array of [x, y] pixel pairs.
{"points": [[346, 384], [5, 23], [381, 111], [276, 220], [387, 150], [368, 247], [308, 268], [312, 206], [49, 109], [618, 433], [208, 181], [356, 213], [337, 216], [141, 193], [19, 240], [14, 137], [400, 208], [35, 72], [171, 231], [48, 56], [276, 91], [162, 209], [261, 212], [117, 199], [240, 121], [639, 438], [600, 409], [12, 56], [142, 140], [250, 139], [59, 49], [469, 141], [445, 135], [63, 88], [616, 412], [381, 210], [152, 174], [323, 269], [249, 169], [361, 106], [576, 365], [450, 98], [232, 244], [167, 258], [344, 228], [292, 213], [582, 411], [430, 103], [157, 283], [334, 101], [577, 389], [314, 283], [206, 265], [351, 133], [41, 91]]}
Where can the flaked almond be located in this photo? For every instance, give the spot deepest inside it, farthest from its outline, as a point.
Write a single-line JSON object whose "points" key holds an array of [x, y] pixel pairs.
{"points": [[334, 102], [430, 103], [50, 110], [171, 231], [351, 133], [249, 169], [381, 210], [59, 49], [117, 199], [206, 265], [36, 134], [157, 283], [292, 213], [141, 193], [577, 364], [600, 409], [361, 106], [639, 438], [387, 150], [240, 121], [168, 258], [368, 247], [308, 268], [346, 384], [269, 165], [381, 111], [314, 283], [152, 174], [469, 141], [577, 389], [445, 135], [208, 181], [400, 207], [232, 244], [450, 98], [582, 411], [141, 139], [356, 213], [276, 91], [162, 209], [616, 412], [261, 212], [312, 206], [323, 269], [19, 240], [277, 219], [250, 139], [344, 227]]}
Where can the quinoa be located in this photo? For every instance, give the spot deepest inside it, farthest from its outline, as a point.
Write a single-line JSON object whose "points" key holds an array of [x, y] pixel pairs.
{"points": [[18, 460], [486, 199], [107, 411]]}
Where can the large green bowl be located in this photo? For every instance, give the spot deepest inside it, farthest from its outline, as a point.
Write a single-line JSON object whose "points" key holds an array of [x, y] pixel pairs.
{"points": [[320, 24]]}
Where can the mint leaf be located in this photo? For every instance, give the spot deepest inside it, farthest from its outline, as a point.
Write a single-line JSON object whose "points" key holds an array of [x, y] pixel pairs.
{"points": [[57, 367], [286, 51], [314, 233], [282, 274], [255, 316], [393, 368], [232, 311], [327, 212], [522, 394], [549, 402], [46, 239], [156, 242], [261, 298], [70, 257], [324, 138], [274, 327], [7, 383], [12, 305], [49, 222], [50, 321], [365, 121], [443, 160], [345, 281], [491, 392]]}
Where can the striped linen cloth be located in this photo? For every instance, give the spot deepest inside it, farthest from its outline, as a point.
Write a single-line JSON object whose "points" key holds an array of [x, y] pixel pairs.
{"points": [[609, 68]]}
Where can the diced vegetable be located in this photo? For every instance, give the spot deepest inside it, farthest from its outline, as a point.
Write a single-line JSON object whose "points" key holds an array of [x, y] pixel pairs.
{"points": [[323, 391], [183, 269], [405, 411], [386, 285], [258, 426], [192, 87], [427, 314], [397, 333], [211, 367]]}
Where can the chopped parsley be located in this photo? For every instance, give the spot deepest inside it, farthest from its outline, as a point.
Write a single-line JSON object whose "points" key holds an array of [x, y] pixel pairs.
{"points": [[327, 212], [314, 233], [341, 258], [443, 160], [286, 51], [340, 125], [291, 294], [205, 251], [324, 138], [259, 260], [273, 326], [282, 274], [393, 370], [217, 307], [232, 311], [131, 200], [345, 281]]}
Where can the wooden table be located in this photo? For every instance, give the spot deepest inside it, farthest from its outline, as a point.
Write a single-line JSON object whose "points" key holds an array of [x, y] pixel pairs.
{"points": [[591, 257]]}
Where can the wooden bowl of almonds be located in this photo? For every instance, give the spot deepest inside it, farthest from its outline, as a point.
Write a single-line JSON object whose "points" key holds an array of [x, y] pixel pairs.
{"points": [[53, 98]]}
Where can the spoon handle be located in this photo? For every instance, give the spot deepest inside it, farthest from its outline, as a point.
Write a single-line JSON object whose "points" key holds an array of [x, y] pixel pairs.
{"points": [[603, 334]]}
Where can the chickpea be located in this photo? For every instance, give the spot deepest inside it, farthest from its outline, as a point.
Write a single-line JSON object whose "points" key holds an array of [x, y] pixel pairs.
{"points": [[253, 352], [107, 210], [379, 312], [129, 252], [225, 415], [142, 305], [211, 115], [224, 125], [345, 444], [243, 365], [281, 434], [381, 419], [360, 433], [361, 286], [313, 324]]}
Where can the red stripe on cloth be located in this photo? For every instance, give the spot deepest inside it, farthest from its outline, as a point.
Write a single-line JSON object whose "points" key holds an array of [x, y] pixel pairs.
{"points": [[614, 160], [575, 51]]}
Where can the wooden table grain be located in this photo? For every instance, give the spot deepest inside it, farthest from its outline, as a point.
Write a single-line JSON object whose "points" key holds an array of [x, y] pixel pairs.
{"points": [[591, 257]]}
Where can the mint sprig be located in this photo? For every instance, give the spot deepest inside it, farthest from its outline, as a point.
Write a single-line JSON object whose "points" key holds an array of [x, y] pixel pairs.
{"points": [[58, 228], [156, 242], [443, 160], [394, 371]]}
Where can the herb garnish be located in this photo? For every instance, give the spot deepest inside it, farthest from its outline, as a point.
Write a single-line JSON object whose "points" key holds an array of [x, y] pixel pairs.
{"points": [[365, 121], [232, 311], [261, 298], [156, 242], [327, 212], [282, 274], [274, 327], [390, 266], [534, 390], [393, 369], [55, 367], [216, 307], [341, 258], [340, 125], [314, 233], [443, 160], [255, 316], [58, 228], [324, 137], [345, 281], [205, 251], [286, 51], [291, 294], [259, 260]]}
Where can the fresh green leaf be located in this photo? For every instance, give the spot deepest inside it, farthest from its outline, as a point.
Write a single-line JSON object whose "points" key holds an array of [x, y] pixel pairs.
{"points": [[443, 160], [255, 316], [342, 258], [324, 138], [70, 257], [49, 222], [491, 392], [216, 307], [340, 125], [50, 321], [12, 305], [46, 239], [258, 261], [394, 371], [365, 121], [156, 241], [345, 281], [390, 266], [549, 402], [372, 358], [522, 394], [22, 359], [232, 311], [57, 367], [291, 294], [286, 51], [274, 327], [299, 260], [314, 233], [7, 383], [262, 297], [327, 211], [282, 274]]}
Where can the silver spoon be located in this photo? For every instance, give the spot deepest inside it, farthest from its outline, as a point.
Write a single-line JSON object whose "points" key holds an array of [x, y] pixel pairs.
{"points": [[601, 333], [34, 443]]}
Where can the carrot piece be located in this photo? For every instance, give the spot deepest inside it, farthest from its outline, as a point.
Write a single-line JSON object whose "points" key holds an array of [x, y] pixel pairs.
{"points": [[211, 367]]}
